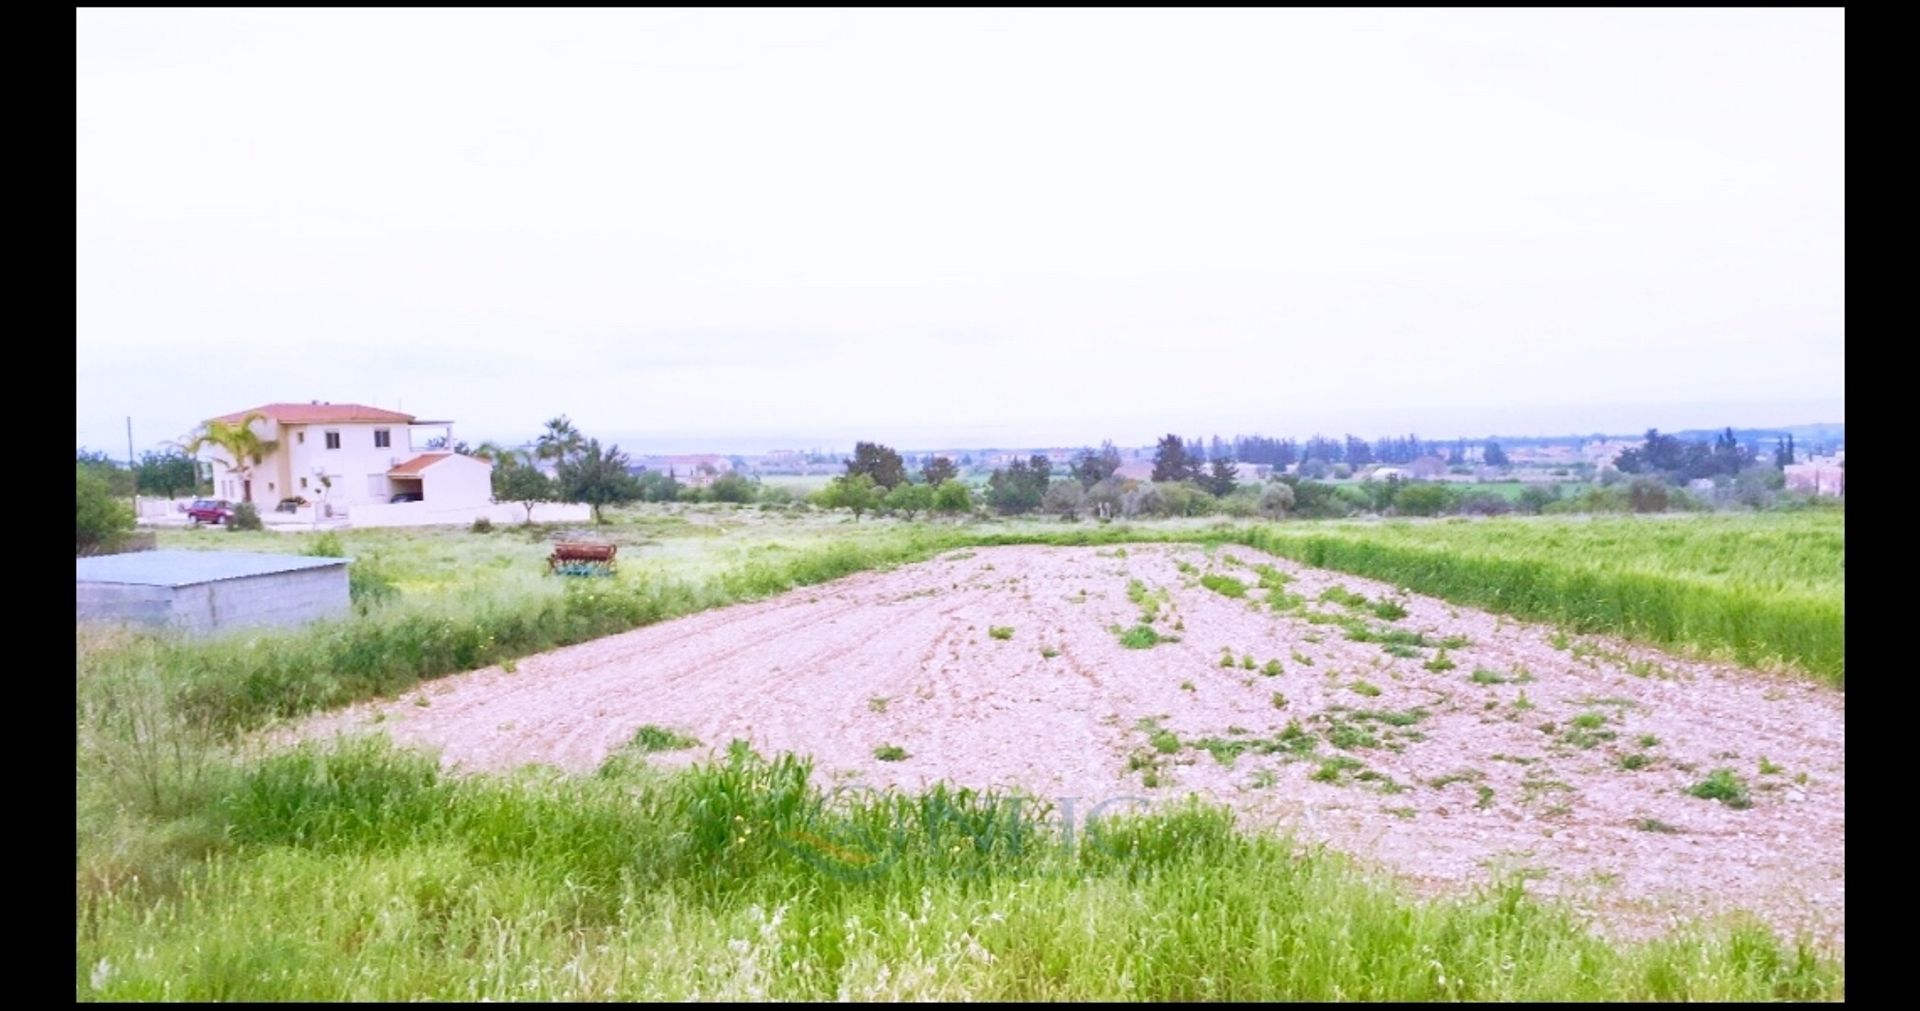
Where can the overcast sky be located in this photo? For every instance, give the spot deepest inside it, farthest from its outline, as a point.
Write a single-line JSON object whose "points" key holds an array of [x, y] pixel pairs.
{"points": [[740, 231]]}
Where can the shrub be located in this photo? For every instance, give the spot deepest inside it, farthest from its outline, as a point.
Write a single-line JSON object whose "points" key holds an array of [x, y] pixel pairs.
{"points": [[1648, 495], [1063, 499], [245, 517], [481, 525], [1276, 499], [732, 487], [1722, 785], [325, 545], [1682, 500], [1226, 586], [1536, 497], [1178, 498], [855, 492], [99, 517], [1316, 500], [1485, 503], [1423, 498], [1604, 499], [1755, 487], [1105, 500], [1143, 500], [1241, 503], [952, 497], [368, 586], [908, 499], [1143, 637], [655, 738]]}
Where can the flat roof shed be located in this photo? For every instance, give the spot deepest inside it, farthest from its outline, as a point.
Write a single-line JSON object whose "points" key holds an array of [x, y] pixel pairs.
{"points": [[207, 592]]}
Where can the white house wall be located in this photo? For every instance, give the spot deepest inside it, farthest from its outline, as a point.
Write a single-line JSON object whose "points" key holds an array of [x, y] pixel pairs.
{"points": [[457, 482], [358, 468]]}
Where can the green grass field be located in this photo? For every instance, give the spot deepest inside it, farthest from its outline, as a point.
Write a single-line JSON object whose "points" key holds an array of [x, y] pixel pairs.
{"points": [[364, 874], [1762, 589], [207, 868], [799, 484], [1510, 490]]}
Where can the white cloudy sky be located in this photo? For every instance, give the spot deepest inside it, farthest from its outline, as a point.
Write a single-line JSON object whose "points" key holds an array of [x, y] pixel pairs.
{"points": [[746, 230]]}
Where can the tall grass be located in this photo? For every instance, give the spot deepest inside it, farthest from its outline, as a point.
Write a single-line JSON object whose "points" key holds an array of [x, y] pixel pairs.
{"points": [[362, 873], [1760, 589]]}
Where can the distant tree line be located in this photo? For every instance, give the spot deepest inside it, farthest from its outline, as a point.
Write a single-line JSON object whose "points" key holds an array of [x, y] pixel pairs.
{"points": [[1351, 450], [167, 473], [1678, 461]]}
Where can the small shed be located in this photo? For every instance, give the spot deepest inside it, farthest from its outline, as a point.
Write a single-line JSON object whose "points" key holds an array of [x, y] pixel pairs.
{"points": [[208, 592]]}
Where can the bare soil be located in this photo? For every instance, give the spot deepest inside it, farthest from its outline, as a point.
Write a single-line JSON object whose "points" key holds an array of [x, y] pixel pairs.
{"points": [[1446, 781]]}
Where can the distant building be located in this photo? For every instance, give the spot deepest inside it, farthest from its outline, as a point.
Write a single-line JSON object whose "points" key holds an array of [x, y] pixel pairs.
{"points": [[694, 469], [1138, 470], [1545, 455], [1821, 475], [346, 455], [1427, 467], [1602, 454]]}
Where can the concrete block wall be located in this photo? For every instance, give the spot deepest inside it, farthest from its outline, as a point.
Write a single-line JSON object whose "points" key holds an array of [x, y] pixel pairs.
{"points": [[280, 600], [123, 603], [275, 600]]}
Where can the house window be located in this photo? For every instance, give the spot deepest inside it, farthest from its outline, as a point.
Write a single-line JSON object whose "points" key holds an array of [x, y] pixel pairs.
{"points": [[382, 438], [333, 440], [300, 437], [303, 484]]}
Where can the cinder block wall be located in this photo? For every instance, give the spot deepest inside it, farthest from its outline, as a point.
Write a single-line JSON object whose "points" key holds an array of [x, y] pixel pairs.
{"points": [[123, 603], [280, 599]]}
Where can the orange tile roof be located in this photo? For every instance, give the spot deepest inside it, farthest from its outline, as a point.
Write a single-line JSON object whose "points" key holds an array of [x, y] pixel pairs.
{"points": [[413, 467], [318, 414]]}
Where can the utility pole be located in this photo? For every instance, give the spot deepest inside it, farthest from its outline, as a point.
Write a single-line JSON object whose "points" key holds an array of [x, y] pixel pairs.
{"points": [[132, 471]]}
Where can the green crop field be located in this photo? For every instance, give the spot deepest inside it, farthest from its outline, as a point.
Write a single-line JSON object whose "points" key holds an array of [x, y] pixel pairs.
{"points": [[799, 484], [1510, 490], [1765, 589], [209, 867]]}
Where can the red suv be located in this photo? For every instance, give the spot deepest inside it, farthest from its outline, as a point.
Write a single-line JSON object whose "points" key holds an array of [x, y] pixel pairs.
{"points": [[210, 510]]}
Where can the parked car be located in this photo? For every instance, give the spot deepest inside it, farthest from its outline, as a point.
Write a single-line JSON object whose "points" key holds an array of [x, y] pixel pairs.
{"points": [[405, 496], [210, 510]]}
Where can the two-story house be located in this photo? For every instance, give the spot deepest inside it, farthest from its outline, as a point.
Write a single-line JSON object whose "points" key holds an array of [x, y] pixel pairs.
{"points": [[346, 455]]}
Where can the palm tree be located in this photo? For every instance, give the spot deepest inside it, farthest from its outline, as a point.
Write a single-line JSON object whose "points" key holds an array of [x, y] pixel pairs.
{"points": [[560, 442], [496, 454], [242, 446]]}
